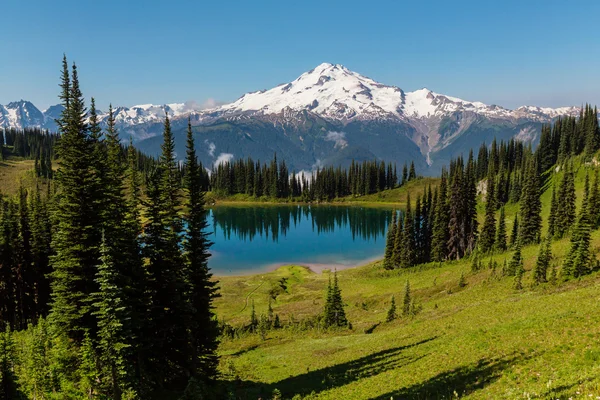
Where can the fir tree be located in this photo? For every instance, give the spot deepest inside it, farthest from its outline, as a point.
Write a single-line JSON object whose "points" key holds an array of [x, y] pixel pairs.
{"points": [[202, 290], [113, 316], [407, 300], [439, 239], [334, 305], [516, 261], [543, 261], [408, 254], [514, 236], [488, 231], [565, 208], [594, 203], [75, 255], [412, 173], [389, 244], [391, 314], [578, 259], [530, 207], [552, 216], [518, 282], [501, 232]]}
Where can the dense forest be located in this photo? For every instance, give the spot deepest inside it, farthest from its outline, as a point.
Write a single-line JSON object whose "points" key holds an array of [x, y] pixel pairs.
{"points": [[106, 290], [444, 224], [111, 287]]}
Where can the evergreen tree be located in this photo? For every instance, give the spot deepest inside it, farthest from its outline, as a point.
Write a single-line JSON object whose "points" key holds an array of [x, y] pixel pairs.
{"points": [[334, 305], [594, 204], [389, 244], [518, 282], [565, 208], [391, 314], [578, 259], [514, 236], [113, 316], [439, 239], [543, 261], [516, 261], [169, 310], [75, 256], [408, 254], [552, 216], [501, 232], [407, 300], [488, 231], [530, 207], [412, 173], [456, 222], [202, 290]]}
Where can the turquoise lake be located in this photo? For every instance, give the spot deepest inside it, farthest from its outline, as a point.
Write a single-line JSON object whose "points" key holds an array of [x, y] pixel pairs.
{"points": [[251, 239]]}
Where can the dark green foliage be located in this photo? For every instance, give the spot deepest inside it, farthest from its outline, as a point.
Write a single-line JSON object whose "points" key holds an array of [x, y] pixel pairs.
{"points": [[440, 224], [389, 243], [565, 204], [76, 238], [334, 314], [113, 318], [407, 301], [594, 203], [487, 237], [412, 174], [552, 216], [273, 180], [391, 314], [408, 253], [578, 260], [530, 207], [543, 261], [514, 237], [516, 262], [518, 282], [202, 289], [501, 239], [9, 389]]}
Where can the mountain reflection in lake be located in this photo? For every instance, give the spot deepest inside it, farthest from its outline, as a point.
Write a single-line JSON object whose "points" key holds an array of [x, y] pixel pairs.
{"points": [[256, 238]]}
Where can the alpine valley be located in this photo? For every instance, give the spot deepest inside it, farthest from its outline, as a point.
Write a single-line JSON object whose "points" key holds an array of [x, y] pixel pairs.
{"points": [[327, 116]]}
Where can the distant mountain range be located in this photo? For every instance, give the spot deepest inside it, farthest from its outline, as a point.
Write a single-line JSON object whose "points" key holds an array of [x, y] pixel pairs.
{"points": [[327, 116]]}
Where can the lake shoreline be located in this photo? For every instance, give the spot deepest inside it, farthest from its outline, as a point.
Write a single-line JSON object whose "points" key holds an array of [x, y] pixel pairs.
{"points": [[316, 268]]}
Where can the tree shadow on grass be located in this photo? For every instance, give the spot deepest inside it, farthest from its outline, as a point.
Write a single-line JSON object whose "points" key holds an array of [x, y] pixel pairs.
{"points": [[460, 381], [334, 376]]}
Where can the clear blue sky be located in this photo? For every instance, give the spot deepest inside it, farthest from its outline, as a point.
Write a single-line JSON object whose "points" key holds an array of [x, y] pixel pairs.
{"points": [[132, 52]]}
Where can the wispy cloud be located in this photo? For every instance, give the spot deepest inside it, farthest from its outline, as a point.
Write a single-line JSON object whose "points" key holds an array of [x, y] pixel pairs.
{"points": [[223, 158], [338, 137], [211, 148], [193, 105]]}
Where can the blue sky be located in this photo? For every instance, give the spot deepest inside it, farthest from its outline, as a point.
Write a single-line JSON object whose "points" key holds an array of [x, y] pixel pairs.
{"points": [[133, 52]]}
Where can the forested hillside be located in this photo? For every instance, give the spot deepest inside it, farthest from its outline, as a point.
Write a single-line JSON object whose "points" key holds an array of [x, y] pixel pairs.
{"points": [[107, 292]]}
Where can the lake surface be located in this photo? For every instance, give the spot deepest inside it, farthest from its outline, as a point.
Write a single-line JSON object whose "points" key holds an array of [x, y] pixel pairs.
{"points": [[250, 239]]}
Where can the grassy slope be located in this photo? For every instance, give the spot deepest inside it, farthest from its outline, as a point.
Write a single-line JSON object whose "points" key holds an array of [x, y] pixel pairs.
{"points": [[13, 171], [482, 341]]}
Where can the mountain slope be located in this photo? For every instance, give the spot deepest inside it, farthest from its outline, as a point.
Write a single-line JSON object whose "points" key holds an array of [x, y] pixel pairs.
{"points": [[317, 117]]}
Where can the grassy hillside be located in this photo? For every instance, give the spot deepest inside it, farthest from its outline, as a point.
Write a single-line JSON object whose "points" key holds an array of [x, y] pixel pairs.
{"points": [[13, 171], [485, 340]]}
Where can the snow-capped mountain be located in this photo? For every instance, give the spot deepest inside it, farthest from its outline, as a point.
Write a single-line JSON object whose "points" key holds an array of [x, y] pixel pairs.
{"points": [[19, 114], [335, 92], [326, 115]]}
